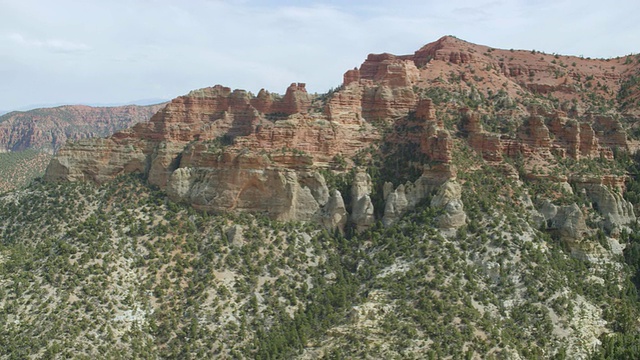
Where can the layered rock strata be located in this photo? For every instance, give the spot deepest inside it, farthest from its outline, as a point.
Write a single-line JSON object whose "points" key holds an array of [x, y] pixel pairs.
{"points": [[545, 137], [221, 149]]}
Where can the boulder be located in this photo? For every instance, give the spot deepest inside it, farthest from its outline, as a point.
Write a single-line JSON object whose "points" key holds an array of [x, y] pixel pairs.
{"points": [[235, 235]]}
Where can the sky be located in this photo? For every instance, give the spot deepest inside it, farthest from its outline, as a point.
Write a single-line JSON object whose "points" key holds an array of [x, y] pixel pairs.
{"points": [[123, 51]]}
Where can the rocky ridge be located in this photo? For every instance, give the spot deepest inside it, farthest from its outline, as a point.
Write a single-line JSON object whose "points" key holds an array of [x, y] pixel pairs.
{"points": [[534, 115]]}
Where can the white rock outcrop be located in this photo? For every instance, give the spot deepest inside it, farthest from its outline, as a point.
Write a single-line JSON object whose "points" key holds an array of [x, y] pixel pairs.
{"points": [[334, 214], [615, 210], [449, 198], [362, 212]]}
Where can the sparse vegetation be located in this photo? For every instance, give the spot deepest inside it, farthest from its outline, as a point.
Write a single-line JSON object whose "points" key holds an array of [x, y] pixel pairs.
{"points": [[18, 168]]}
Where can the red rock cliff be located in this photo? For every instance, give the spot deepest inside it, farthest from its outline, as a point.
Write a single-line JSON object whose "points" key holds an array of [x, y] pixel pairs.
{"points": [[221, 149]]}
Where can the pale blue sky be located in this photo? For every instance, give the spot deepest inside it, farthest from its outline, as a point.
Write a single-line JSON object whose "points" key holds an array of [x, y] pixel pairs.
{"points": [[117, 51]]}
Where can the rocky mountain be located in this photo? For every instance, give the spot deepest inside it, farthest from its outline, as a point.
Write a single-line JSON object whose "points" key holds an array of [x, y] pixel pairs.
{"points": [[534, 115], [47, 129], [457, 202]]}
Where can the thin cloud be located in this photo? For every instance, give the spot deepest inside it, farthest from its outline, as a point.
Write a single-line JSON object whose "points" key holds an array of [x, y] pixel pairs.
{"points": [[471, 12], [53, 45]]}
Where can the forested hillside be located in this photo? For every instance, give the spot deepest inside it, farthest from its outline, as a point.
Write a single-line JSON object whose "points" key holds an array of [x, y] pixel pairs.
{"points": [[119, 271]]}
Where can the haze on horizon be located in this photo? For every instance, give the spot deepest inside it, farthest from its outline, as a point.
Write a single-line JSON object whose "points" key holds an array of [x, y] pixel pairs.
{"points": [[95, 52]]}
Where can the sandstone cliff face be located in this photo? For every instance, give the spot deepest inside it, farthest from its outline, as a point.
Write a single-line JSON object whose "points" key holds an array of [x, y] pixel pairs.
{"points": [[295, 100], [197, 148], [486, 144], [97, 160], [345, 106], [396, 204], [48, 129], [244, 182], [567, 221], [221, 149], [436, 142], [384, 84], [443, 50], [545, 137]]}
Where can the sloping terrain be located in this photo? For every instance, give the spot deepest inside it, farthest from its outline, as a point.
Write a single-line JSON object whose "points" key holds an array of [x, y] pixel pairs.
{"points": [[118, 271], [18, 169]]}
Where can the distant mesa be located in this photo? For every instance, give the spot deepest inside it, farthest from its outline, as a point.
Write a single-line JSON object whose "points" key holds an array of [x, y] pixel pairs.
{"points": [[47, 129]]}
